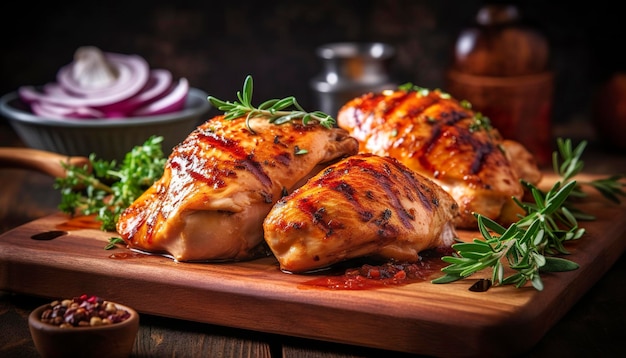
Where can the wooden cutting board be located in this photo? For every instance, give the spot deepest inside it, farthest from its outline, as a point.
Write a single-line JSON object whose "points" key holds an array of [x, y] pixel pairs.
{"points": [[421, 318]]}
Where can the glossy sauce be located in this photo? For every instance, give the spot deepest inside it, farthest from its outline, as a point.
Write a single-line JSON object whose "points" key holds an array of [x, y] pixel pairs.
{"points": [[80, 222], [127, 255], [368, 276]]}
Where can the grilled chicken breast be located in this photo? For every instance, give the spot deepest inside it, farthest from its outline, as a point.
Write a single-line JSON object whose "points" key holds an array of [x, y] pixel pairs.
{"points": [[220, 183], [363, 205], [438, 137]]}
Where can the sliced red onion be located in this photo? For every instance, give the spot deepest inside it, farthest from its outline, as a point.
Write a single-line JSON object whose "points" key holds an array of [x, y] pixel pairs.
{"points": [[51, 110], [106, 85], [158, 84], [133, 75], [174, 100]]}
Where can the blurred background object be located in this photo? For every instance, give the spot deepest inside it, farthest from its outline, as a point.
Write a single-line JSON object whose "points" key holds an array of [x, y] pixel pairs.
{"points": [[351, 69], [609, 112], [216, 44]]}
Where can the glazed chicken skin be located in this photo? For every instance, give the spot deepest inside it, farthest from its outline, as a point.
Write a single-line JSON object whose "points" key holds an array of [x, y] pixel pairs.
{"points": [[362, 206], [442, 139], [221, 181]]}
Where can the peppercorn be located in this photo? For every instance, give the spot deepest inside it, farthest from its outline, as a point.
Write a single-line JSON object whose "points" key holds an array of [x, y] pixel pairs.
{"points": [[83, 311]]}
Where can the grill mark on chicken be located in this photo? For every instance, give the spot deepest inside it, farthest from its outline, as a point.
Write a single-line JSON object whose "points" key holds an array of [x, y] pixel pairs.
{"points": [[389, 106], [143, 217], [422, 155], [388, 186], [220, 182], [316, 215], [222, 143], [437, 136], [333, 179], [243, 160], [363, 205], [151, 222], [430, 201], [479, 159], [416, 111], [448, 116], [256, 169], [283, 158], [200, 171]]}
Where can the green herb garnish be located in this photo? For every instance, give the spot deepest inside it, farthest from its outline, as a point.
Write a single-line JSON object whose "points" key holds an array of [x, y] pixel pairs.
{"points": [[276, 110], [113, 242], [529, 245], [611, 187], [480, 121], [300, 151], [105, 189], [409, 87]]}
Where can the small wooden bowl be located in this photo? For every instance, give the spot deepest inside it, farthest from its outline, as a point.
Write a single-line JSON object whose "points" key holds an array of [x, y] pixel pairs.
{"points": [[113, 340]]}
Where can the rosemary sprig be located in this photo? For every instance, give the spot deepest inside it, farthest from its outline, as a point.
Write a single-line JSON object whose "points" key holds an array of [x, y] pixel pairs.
{"points": [[529, 245], [276, 110], [525, 246]]}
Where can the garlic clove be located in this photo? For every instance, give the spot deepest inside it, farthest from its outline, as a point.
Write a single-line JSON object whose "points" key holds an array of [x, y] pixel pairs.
{"points": [[91, 69]]}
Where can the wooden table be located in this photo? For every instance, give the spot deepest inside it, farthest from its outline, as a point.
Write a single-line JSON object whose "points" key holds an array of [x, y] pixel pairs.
{"points": [[594, 326]]}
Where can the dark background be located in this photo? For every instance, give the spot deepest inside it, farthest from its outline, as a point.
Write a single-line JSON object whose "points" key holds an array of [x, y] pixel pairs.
{"points": [[216, 44]]}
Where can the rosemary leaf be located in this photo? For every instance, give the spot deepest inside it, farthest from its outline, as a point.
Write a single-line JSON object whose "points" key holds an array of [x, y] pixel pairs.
{"points": [[558, 264]]}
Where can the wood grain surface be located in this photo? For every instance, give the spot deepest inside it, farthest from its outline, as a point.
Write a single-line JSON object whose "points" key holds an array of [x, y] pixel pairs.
{"points": [[421, 318]]}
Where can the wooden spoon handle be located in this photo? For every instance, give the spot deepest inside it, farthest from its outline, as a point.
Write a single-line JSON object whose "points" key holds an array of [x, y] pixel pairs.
{"points": [[40, 160]]}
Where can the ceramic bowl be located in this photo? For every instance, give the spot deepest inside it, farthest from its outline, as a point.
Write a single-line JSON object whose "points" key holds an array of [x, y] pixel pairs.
{"points": [[108, 138], [112, 340]]}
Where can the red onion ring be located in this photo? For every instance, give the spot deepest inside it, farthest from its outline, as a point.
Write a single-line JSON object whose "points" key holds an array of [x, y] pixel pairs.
{"points": [[113, 86], [174, 100], [132, 75], [157, 86], [51, 110]]}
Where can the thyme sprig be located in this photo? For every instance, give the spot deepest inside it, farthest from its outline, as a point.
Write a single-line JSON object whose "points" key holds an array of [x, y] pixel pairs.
{"points": [[276, 110], [106, 188], [528, 246]]}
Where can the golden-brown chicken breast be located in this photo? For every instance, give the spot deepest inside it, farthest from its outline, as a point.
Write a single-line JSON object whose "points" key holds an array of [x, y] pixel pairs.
{"points": [[220, 183], [363, 205], [440, 138]]}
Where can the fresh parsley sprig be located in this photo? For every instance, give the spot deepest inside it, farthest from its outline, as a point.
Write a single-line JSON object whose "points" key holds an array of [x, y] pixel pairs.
{"points": [[276, 110], [529, 245], [105, 189]]}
